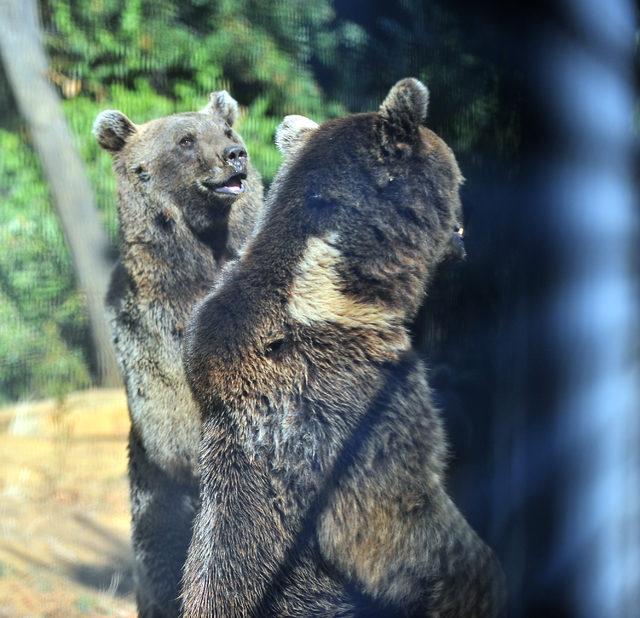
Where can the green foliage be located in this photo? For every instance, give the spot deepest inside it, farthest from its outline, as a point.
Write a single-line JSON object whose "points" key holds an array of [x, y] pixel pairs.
{"points": [[186, 49], [42, 322], [446, 51]]}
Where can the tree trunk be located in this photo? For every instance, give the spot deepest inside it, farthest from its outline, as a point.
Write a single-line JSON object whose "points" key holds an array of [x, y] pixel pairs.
{"points": [[26, 65]]}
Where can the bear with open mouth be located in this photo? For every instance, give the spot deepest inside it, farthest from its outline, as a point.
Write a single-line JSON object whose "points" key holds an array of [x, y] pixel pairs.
{"points": [[188, 199]]}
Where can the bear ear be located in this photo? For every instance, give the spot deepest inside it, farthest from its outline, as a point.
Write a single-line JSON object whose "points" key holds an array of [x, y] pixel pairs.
{"points": [[222, 104], [112, 129], [405, 109], [292, 131]]}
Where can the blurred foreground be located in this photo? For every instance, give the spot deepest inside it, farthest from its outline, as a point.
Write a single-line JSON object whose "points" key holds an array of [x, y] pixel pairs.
{"points": [[64, 511]]}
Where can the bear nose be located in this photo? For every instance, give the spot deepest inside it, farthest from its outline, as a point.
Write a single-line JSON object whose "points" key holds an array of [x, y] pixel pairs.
{"points": [[235, 155]]}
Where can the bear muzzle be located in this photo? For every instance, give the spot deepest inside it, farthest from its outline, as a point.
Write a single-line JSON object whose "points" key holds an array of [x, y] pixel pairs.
{"points": [[233, 185]]}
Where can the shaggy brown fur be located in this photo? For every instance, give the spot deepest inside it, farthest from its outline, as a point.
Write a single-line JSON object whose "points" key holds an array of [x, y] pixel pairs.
{"points": [[323, 456], [182, 214]]}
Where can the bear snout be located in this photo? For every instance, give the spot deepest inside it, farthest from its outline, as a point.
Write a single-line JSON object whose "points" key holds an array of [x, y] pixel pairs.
{"points": [[456, 246], [236, 156]]}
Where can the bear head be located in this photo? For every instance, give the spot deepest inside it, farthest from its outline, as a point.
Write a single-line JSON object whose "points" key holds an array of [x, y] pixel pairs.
{"points": [[195, 160], [380, 188]]}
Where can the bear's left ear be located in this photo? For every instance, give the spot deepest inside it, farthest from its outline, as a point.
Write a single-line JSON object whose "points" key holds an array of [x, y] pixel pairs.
{"points": [[112, 129], [292, 132], [405, 109], [222, 104]]}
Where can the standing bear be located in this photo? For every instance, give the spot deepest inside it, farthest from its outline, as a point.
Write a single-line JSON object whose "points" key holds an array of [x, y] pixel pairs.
{"points": [[188, 199], [323, 456]]}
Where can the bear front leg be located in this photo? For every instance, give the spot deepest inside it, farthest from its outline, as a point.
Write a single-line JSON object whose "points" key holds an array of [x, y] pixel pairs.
{"points": [[238, 562], [162, 518]]}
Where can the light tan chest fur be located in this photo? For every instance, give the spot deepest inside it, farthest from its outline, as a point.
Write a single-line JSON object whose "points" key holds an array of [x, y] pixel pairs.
{"points": [[163, 412]]}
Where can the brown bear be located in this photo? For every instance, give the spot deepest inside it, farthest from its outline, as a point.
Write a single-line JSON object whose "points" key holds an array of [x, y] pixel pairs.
{"points": [[323, 455], [188, 199]]}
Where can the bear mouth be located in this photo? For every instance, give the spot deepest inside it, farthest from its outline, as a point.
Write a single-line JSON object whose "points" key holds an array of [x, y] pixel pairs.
{"points": [[234, 185]]}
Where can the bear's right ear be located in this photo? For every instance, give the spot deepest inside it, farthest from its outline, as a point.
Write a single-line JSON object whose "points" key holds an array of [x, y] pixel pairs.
{"points": [[292, 132], [405, 109], [222, 104], [112, 129]]}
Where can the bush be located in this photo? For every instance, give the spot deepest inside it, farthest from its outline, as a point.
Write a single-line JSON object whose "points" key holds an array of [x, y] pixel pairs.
{"points": [[41, 313]]}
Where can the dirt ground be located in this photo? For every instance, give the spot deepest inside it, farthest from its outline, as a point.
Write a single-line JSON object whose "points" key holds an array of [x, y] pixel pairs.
{"points": [[64, 513]]}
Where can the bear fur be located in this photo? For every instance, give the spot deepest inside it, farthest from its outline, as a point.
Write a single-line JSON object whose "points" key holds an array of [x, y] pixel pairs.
{"points": [[323, 455], [187, 201]]}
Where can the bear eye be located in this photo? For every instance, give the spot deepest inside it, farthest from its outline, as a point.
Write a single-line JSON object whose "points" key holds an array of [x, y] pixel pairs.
{"points": [[142, 173], [229, 133], [187, 141]]}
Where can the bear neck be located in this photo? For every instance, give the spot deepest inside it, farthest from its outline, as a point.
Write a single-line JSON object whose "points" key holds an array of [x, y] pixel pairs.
{"points": [[216, 238], [159, 251]]}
